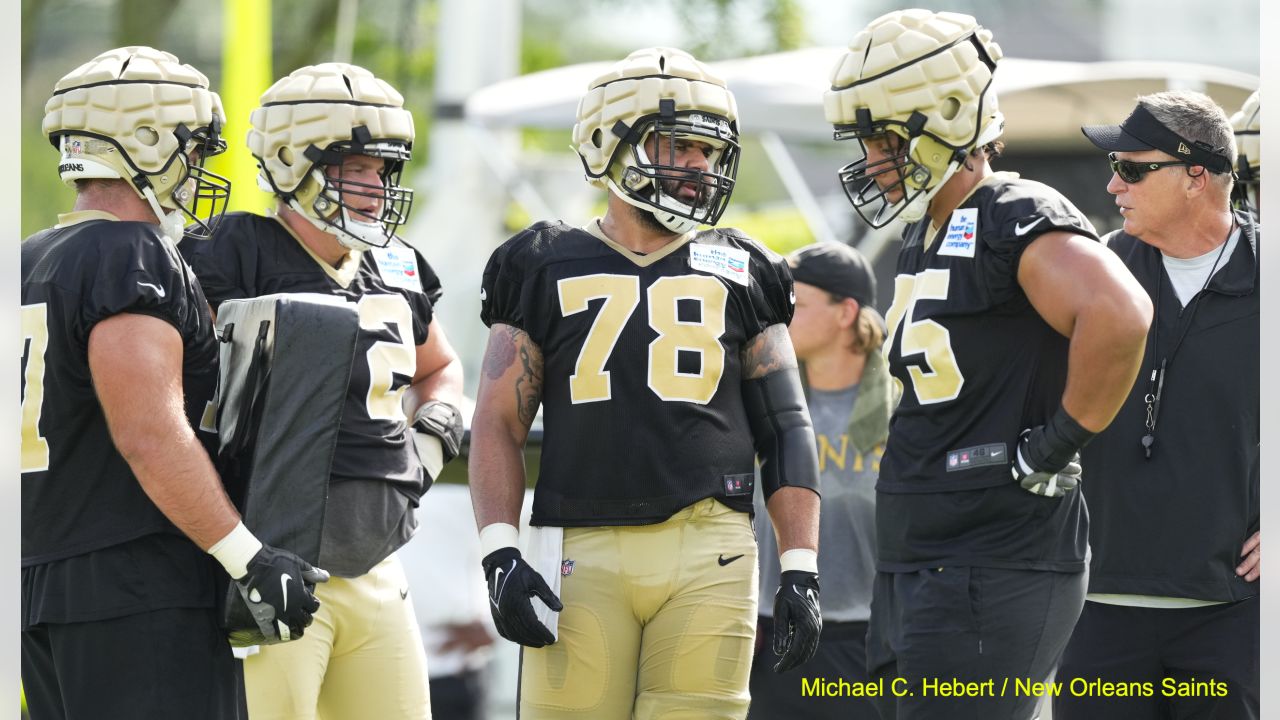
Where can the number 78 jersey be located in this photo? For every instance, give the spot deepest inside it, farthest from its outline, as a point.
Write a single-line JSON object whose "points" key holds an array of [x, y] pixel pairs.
{"points": [[974, 361], [641, 396]]}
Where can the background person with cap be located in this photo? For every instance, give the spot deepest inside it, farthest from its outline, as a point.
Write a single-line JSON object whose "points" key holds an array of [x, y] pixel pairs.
{"points": [[837, 335], [1173, 594]]}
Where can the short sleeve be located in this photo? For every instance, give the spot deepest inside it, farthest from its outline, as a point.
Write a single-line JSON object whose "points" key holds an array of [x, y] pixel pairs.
{"points": [[502, 286], [1018, 212], [430, 281], [136, 271], [771, 293]]}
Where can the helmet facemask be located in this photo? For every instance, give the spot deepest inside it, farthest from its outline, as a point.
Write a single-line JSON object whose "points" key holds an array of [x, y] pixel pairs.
{"points": [[865, 183], [648, 172], [202, 197], [334, 203]]}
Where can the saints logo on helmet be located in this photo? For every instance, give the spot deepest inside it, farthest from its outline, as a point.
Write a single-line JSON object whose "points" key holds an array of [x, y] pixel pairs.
{"points": [[1247, 123], [636, 117], [920, 83], [313, 119], [138, 114]]}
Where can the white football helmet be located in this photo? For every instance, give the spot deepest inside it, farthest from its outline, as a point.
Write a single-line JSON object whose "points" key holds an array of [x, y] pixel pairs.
{"points": [[138, 114], [656, 99], [1248, 123], [924, 77], [315, 117]]}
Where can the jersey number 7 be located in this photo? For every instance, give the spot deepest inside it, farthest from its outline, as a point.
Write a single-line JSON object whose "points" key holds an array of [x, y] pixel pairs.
{"points": [[590, 382]]}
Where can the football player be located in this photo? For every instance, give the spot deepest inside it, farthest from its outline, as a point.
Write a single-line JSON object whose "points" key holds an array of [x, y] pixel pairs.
{"points": [[1013, 338], [331, 142], [120, 501], [1248, 125], [660, 356]]}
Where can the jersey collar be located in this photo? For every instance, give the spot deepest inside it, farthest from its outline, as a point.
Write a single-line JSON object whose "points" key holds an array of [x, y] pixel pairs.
{"points": [[999, 174], [641, 260], [76, 217], [346, 270]]}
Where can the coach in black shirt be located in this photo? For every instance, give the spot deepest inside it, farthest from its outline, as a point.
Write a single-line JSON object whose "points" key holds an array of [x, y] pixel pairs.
{"points": [[1172, 485]]}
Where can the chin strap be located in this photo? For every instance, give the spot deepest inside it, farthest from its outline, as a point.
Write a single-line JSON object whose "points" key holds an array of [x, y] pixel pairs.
{"points": [[918, 206], [667, 219], [171, 223]]}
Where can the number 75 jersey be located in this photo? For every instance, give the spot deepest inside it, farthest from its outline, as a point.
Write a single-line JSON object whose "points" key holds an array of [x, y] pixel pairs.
{"points": [[641, 396], [974, 361]]}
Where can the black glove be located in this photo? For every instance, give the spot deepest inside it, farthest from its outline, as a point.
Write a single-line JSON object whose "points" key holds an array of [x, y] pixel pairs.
{"points": [[1047, 460], [512, 582], [443, 420], [797, 619], [1039, 477], [279, 593]]}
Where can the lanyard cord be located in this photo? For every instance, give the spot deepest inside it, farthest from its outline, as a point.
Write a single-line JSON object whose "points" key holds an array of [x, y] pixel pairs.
{"points": [[1155, 385]]}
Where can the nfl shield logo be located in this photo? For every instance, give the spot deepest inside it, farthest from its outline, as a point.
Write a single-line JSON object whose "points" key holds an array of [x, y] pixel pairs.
{"points": [[566, 568]]}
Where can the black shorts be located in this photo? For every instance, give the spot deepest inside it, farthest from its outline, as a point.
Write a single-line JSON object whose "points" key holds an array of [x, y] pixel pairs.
{"points": [[169, 663], [1182, 663], [960, 643]]}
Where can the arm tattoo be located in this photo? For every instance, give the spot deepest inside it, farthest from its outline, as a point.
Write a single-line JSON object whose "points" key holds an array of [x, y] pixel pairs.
{"points": [[768, 352], [529, 383], [500, 354], [505, 344]]}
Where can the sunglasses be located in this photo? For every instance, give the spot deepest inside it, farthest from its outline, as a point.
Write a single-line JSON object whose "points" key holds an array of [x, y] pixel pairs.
{"points": [[1132, 172]]}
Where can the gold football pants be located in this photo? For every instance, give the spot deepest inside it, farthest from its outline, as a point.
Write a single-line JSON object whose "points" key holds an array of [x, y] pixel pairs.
{"points": [[361, 658], [658, 622]]}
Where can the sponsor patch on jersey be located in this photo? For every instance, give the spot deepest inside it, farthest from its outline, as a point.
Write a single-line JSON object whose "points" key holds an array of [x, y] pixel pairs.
{"points": [[962, 234], [977, 456], [726, 262], [742, 484], [398, 267]]}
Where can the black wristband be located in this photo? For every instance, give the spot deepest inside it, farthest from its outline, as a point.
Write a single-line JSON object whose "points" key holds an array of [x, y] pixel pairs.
{"points": [[1063, 438]]}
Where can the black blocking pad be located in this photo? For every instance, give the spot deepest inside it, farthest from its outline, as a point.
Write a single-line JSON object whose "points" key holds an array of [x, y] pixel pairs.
{"points": [[285, 364]]}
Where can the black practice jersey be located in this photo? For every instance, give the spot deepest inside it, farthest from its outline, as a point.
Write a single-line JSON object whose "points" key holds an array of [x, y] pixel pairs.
{"points": [[393, 289], [78, 493], [976, 364], [642, 401]]}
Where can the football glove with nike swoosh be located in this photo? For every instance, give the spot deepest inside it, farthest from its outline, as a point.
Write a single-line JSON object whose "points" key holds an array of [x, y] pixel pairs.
{"points": [[797, 619], [512, 584], [279, 593]]}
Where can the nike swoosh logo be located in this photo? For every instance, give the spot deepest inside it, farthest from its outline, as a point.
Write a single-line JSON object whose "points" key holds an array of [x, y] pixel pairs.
{"points": [[1021, 230], [997, 453], [284, 589], [404, 594], [725, 561], [159, 290]]}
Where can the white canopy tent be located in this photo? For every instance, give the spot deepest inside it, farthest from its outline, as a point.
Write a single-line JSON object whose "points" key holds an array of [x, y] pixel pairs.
{"points": [[780, 99], [1045, 101]]}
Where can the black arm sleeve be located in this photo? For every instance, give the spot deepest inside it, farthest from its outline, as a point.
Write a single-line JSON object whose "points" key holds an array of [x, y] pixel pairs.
{"points": [[782, 431]]}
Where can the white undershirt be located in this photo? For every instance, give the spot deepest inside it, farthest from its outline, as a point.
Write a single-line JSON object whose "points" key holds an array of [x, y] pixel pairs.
{"points": [[1189, 275]]}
